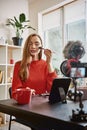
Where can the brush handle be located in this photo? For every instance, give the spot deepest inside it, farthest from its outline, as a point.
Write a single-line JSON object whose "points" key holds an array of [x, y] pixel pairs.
{"points": [[44, 49]]}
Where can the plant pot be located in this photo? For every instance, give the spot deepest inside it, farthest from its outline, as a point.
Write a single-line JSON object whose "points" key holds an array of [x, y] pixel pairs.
{"points": [[17, 41]]}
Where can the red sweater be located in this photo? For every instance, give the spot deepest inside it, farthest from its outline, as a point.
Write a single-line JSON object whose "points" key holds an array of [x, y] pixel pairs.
{"points": [[39, 77]]}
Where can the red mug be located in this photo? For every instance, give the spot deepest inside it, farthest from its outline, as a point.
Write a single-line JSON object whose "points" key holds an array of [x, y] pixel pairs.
{"points": [[23, 95]]}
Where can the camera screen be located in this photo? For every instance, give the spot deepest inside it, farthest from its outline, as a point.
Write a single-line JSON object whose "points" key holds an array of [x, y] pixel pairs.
{"points": [[78, 72]]}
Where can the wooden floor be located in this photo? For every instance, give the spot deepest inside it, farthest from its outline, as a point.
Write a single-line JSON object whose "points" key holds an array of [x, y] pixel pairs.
{"points": [[15, 126]]}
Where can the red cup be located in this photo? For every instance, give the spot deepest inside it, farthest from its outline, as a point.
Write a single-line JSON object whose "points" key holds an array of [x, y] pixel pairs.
{"points": [[23, 95], [11, 61]]}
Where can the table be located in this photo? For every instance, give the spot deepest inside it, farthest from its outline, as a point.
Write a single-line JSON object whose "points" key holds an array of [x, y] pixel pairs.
{"points": [[42, 114]]}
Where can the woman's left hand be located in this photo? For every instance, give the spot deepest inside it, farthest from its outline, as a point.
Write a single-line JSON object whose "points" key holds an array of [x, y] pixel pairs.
{"points": [[48, 54]]}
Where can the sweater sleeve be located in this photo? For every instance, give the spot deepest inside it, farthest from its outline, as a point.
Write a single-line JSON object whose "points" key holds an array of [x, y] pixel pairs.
{"points": [[16, 82], [50, 78]]}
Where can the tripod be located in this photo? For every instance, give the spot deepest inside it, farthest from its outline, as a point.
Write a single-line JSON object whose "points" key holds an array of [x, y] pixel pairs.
{"points": [[79, 115], [74, 94]]}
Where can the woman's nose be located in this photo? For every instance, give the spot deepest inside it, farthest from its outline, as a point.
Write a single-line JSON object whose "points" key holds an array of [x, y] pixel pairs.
{"points": [[33, 46]]}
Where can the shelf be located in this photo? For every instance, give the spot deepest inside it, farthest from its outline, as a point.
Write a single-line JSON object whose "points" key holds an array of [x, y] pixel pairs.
{"points": [[9, 84], [2, 64], [14, 47], [2, 84], [2, 45], [10, 46], [9, 54]]}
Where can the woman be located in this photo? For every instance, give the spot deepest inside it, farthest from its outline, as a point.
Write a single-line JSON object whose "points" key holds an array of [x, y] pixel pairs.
{"points": [[32, 71]]}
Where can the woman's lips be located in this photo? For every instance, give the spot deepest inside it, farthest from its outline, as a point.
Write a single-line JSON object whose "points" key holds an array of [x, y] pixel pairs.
{"points": [[33, 51]]}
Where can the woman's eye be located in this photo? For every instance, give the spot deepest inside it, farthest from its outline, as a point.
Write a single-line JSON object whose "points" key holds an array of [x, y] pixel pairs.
{"points": [[37, 44]]}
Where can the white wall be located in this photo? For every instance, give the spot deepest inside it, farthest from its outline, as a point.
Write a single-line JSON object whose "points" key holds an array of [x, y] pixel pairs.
{"points": [[38, 6], [9, 9]]}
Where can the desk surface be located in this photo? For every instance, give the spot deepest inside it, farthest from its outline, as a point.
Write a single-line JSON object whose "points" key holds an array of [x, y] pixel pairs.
{"points": [[44, 115]]}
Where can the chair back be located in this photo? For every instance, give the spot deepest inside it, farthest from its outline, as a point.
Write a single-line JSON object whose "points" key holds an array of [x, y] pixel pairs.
{"points": [[10, 91]]}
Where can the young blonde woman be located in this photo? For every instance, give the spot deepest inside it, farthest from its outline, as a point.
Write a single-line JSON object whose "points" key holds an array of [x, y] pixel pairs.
{"points": [[32, 71]]}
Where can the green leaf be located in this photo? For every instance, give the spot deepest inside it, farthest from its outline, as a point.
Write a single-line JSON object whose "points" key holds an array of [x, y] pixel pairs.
{"points": [[22, 18], [19, 24]]}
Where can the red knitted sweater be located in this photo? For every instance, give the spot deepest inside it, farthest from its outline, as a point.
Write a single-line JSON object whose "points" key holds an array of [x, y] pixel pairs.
{"points": [[39, 77]]}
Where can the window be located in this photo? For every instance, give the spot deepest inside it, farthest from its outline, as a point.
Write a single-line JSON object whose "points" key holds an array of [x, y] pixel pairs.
{"points": [[65, 22], [75, 22]]}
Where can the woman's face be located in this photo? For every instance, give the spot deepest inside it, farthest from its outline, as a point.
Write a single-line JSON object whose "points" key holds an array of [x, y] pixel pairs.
{"points": [[34, 45]]}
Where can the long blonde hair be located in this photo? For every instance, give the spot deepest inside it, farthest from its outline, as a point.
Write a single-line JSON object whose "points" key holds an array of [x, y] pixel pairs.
{"points": [[24, 73]]}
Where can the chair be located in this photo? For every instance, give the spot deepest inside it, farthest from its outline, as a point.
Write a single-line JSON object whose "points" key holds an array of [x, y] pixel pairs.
{"points": [[16, 119]]}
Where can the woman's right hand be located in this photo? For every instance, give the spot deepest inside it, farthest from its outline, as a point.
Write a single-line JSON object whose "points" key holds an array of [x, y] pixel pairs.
{"points": [[32, 90]]}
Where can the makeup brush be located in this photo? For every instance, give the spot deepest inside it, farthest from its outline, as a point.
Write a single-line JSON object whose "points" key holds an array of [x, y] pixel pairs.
{"points": [[44, 49], [41, 48]]}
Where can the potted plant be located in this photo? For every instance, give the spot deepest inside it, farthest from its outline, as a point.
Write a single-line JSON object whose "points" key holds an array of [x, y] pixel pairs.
{"points": [[20, 25]]}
